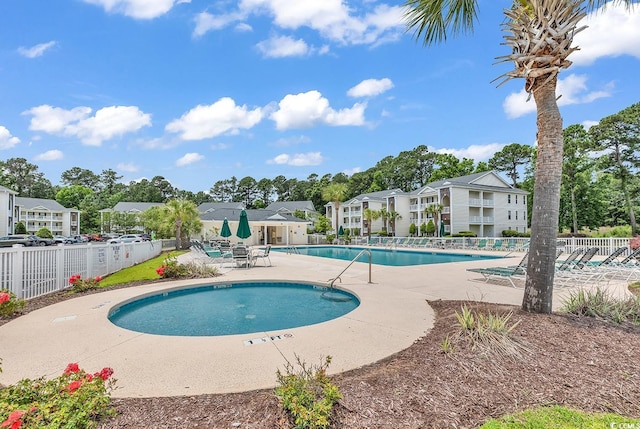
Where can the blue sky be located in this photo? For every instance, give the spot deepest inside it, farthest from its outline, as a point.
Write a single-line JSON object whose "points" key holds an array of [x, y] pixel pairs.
{"points": [[199, 91]]}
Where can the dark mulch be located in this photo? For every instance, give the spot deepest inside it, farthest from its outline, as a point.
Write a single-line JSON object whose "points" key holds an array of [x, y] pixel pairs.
{"points": [[582, 363]]}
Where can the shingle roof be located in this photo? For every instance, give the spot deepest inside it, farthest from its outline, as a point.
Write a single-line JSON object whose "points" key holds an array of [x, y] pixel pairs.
{"points": [[31, 203], [3, 189], [205, 207], [291, 206], [254, 215], [128, 207]]}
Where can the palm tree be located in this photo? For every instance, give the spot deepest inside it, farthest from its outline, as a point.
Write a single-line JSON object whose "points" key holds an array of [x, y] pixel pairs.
{"points": [[335, 193], [184, 215], [370, 215], [434, 210], [540, 34], [384, 215], [393, 217]]}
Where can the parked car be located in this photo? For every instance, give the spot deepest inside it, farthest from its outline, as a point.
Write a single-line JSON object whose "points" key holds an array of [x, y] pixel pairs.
{"points": [[25, 240], [127, 238], [42, 241], [61, 239]]}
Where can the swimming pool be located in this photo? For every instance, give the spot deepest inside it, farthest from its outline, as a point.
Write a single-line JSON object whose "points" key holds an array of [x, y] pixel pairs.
{"points": [[392, 257], [233, 308]]}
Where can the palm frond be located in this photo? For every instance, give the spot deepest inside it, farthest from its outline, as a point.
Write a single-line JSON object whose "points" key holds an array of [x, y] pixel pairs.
{"points": [[434, 20]]}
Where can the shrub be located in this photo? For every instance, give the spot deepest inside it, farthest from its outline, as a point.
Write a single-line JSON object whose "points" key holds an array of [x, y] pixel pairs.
{"points": [[464, 234], [20, 228], [78, 284], [75, 399], [601, 304], [172, 269], [307, 394], [44, 233], [10, 303], [514, 233]]}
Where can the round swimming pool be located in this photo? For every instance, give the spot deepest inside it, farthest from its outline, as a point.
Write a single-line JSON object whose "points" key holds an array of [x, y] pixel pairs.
{"points": [[232, 308]]}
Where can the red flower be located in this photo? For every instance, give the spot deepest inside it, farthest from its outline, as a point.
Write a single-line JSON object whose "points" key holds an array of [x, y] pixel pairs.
{"points": [[13, 421], [72, 367], [88, 377], [73, 386], [105, 373], [4, 297], [98, 279], [74, 278], [160, 271]]}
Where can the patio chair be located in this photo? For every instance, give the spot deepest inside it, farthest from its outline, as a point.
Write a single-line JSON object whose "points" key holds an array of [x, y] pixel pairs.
{"points": [[578, 270], [262, 254], [508, 273], [241, 256]]}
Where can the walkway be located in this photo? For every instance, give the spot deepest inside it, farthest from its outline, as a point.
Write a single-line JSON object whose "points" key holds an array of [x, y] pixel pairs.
{"points": [[392, 315]]}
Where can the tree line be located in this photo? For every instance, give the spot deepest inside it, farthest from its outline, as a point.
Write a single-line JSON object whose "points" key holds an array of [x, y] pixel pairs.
{"points": [[600, 183]]}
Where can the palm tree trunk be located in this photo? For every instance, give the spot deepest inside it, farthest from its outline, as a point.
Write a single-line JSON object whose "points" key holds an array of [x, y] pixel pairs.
{"points": [[574, 210], [538, 293]]}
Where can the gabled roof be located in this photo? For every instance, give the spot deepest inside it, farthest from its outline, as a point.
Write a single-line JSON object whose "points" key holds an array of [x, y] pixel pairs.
{"points": [[373, 196], [41, 204], [10, 191], [291, 206], [132, 207], [207, 207], [476, 181], [254, 215]]}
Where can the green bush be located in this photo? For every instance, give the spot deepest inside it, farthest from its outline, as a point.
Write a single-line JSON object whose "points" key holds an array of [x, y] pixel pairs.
{"points": [[514, 233], [74, 400], [10, 303], [172, 269], [44, 233], [307, 394], [78, 284], [464, 234], [20, 228], [601, 304]]}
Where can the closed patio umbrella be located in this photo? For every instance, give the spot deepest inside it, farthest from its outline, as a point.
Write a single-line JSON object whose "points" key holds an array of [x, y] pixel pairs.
{"points": [[442, 229], [226, 231], [340, 231], [244, 231]]}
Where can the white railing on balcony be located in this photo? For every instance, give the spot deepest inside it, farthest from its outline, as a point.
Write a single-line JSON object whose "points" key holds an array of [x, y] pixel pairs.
{"points": [[34, 271], [446, 210], [487, 203], [475, 202], [487, 219], [413, 207]]}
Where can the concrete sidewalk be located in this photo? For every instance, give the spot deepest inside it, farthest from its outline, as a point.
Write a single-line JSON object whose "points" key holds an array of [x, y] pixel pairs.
{"points": [[393, 313]]}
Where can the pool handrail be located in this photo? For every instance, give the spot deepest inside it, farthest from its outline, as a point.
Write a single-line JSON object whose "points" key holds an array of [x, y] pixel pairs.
{"points": [[351, 263]]}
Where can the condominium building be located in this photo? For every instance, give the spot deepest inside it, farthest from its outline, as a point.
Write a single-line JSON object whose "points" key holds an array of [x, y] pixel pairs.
{"points": [[483, 203], [37, 213], [7, 210]]}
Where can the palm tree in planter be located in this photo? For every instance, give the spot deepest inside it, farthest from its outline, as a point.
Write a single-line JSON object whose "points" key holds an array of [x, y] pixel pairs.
{"points": [[370, 215], [539, 34], [434, 210], [335, 193]]}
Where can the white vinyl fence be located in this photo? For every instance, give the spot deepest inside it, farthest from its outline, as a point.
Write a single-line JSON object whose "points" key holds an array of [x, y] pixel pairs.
{"points": [[34, 271]]}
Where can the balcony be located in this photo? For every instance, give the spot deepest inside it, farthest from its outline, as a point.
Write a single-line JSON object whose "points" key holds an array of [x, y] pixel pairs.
{"points": [[475, 202], [446, 210], [487, 203], [413, 208], [480, 219]]}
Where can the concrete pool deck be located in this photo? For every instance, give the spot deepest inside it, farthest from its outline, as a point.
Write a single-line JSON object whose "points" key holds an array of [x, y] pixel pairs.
{"points": [[392, 315]]}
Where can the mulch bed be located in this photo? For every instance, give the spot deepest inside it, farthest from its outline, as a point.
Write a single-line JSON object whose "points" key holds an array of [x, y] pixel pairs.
{"points": [[582, 363]]}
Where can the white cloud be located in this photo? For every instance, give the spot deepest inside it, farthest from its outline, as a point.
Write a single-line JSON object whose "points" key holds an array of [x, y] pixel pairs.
{"points": [[291, 141], [128, 167], [475, 152], [220, 146], [218, 118], [612, 31], [589, 124], [310, 108], [298, 159], [189, 158], [572, 90], [283, 46], [37, 50], [138, 9], [50, 155], [332, 19], [7, 141], [106, 124], [352, 171], [370, 88]]}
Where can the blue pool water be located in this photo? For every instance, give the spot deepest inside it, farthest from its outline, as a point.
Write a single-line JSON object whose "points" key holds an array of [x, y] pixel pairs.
{"points": [[233, 308], [392, 257]]}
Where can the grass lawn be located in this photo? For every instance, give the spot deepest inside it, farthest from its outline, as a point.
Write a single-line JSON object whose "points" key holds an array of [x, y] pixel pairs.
{"points": [[144, 271], [561, 418]]}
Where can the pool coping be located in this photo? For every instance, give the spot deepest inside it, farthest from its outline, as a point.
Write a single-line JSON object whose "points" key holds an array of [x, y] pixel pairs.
{"points": [[393, 313]]}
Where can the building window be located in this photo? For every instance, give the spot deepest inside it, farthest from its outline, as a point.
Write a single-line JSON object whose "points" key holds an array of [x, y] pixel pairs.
{"points": [[509, 198], [509, 215], [516, 215], [516, 200]]}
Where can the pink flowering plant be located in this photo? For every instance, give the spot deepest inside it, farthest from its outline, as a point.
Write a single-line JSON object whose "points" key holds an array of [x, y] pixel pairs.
{"points": [[78, 284], [171, 268], [75, 399], [9, 303]]}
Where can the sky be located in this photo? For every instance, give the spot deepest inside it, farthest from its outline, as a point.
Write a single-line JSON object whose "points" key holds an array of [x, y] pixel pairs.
{"points": [[200, 91]]}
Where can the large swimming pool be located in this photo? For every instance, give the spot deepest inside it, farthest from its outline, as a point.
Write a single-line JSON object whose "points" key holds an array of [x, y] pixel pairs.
{"points": [[392, 257]]}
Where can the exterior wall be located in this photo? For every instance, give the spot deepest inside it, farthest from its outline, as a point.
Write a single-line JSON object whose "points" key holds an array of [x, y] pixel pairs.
{"points": [[58, 222], [459, 210], [6, 213], [490, 180], [402, 203], [277, 233], [516, 204]]}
